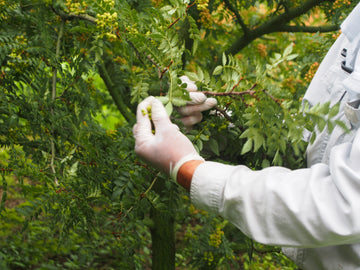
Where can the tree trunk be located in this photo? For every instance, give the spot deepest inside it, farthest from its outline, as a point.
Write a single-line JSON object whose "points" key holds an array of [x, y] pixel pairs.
{"points": [[162, 234], [163, 241]]}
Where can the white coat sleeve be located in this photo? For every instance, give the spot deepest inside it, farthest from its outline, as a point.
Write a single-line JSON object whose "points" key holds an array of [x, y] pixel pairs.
{"points": [[311, 207]]}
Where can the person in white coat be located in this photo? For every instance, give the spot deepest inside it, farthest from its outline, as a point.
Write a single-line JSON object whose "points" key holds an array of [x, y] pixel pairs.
{"points": [[313, 213]]}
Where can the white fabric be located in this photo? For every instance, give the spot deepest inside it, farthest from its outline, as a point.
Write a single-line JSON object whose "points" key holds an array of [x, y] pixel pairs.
{"points": [[314, 213]]}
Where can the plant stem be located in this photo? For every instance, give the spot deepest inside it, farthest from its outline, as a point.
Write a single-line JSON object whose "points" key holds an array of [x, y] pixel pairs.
{"points": [[247, 92], [53, 97]]}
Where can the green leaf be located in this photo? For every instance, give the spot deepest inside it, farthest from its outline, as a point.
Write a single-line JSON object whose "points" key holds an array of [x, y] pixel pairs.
{"points": [[291, 57], [192, 76], [200, 74], [95, 193], [217, 70], [288, 49], [246, 133], [277, 161], [265, 163], [258, 141], [195, 46], [178, 102], [334, 110], [330, 126], [321, 124], [247, 146], [72, 172], [342, 125], [313, 137], [204, 137], [163, 99], [214, 146], [169, 108], [199, 144], [224, 59]]}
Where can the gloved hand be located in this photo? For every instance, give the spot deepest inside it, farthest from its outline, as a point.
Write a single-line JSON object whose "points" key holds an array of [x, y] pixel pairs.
{"points": [[191, 112], [168, 148]]}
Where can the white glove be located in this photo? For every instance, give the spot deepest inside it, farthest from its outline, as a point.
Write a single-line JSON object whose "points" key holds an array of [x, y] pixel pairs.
{"points": [[168, 148], [191, 112]]}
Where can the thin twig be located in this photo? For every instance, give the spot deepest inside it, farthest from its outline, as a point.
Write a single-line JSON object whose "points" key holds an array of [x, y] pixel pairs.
{"points": [[165, 69], [244, 27], [53, 97], [122, 216], [174, 22], [224, 94], [236, 85], [223, 112], [70, 16], [68, 87], [270, 96], [6, 170], [152, 184], [250, 91], [178, 19]]}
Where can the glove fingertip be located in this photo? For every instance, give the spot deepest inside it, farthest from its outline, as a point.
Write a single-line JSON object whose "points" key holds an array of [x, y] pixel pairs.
{"points": [[142, 108], [191, 120], [196, 98], [190, 85], [211, 102], [159, 113]]}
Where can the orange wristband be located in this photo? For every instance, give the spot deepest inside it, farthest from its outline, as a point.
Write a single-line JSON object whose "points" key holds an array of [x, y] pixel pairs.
{"points": [[185, 173]]}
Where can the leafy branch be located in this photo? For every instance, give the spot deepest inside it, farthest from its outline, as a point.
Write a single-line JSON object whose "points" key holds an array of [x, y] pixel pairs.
{"points": [[276, 23], [66, 16], [250, 92]]}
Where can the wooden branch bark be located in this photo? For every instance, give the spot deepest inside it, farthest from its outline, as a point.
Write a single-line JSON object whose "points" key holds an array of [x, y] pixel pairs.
{"points": [[116, 95], [309, 29], [67, 16], [238, 17], [279, 23]]}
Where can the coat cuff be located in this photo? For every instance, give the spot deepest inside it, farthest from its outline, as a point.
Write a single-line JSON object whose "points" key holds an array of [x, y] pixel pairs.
{"points": [[207, 185]]}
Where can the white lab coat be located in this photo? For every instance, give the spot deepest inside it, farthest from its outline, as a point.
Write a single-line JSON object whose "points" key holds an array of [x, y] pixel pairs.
{"points": [[314, 213]]}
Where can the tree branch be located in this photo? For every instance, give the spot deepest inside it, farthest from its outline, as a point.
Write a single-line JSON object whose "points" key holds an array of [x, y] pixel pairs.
{"points": [[116, 95], [309, 29], [279, 23], [67, 16], [250, 91], [224, 94], [223, 112], [294, 12], [238, 17]]}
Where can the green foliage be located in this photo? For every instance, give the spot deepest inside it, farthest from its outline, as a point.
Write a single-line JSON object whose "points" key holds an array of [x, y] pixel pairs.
{"points": [[73, 193]]}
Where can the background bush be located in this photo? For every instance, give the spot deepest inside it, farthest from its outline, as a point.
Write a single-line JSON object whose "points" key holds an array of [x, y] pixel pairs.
{"points": [[73, 193]]}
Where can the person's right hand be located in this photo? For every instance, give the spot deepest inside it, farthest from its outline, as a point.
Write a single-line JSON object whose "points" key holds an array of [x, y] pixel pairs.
{"points": [[191, 112], [166, 148]]}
